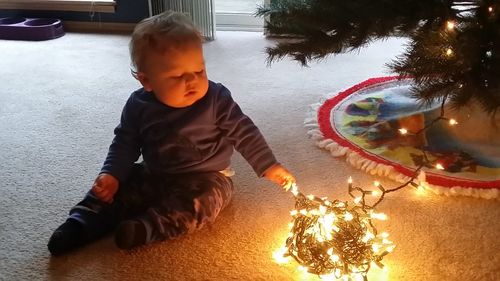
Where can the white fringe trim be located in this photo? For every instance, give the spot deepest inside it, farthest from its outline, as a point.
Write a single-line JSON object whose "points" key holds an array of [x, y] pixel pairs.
{"points": [[374, 168]]}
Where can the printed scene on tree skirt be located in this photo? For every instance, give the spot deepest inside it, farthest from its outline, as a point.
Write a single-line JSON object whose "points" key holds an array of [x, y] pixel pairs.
{"points": [[367, 118]]}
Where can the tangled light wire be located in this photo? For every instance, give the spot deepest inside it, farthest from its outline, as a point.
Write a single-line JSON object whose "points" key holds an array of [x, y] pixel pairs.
{"points": [[337, 239]]}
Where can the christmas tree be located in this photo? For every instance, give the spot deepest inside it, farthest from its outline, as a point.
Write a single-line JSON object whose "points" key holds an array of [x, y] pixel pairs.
{"points": [[453, 53]]}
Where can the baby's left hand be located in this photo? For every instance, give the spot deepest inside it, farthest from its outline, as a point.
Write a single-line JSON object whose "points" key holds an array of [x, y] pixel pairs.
{"points": [[280, 175]]}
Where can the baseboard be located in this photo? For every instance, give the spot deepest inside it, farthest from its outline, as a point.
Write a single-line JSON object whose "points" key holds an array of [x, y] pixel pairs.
{"points": [[98, 27]]}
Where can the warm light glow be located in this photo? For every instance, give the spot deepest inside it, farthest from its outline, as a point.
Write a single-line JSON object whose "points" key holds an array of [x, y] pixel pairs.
{"points": [[294, 189], [449, 52], [403, 131], [380, 216], [279, 256], [453, 122], [450, 25], [375, 193], [334, 239], [420, 190], [348, 217], [439, 166], [490, 9], [376, 183]]}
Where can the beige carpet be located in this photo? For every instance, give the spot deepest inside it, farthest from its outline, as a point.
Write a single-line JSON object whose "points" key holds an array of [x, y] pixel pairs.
{"points": [[61, 99]]}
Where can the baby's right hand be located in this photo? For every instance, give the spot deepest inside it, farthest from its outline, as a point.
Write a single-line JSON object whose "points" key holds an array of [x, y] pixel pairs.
{"points": [[105, 187]]}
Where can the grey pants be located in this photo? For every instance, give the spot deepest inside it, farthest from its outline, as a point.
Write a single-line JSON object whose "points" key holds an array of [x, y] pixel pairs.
{"points": [[168, 206]]}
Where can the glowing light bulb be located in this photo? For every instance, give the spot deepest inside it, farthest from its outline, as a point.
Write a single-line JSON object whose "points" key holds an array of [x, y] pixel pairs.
{"points": [[439, 166], [420, 190], [449, 52], [450, 25], [376, 183], [348, 216], [375, 193], [349, 180], [380, 216], [368, 236], [453, 122], [335, 258], [390, 248], [490, 9], [279, 256], [322, 209], [403, 131]]}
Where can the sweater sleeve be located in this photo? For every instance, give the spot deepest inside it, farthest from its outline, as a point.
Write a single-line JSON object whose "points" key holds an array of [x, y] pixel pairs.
{"points": [[242, 133], [125, 147]]}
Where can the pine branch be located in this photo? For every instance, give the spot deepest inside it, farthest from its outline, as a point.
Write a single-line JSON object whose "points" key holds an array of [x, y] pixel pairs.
{"points": [[462, 62]]}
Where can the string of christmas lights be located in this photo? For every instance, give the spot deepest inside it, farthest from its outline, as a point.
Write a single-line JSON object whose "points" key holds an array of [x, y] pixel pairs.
{"points": [[337, 239]]}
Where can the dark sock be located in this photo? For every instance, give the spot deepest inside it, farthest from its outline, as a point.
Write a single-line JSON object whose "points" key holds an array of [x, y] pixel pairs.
{"points": [[66, 237], [130, 234]]}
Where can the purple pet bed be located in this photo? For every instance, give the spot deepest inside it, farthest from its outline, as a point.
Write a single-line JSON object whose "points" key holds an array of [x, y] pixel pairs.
{"points": [[34, 29]]}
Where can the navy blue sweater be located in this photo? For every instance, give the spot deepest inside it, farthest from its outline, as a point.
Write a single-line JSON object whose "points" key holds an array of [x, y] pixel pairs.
{"points": [[198, 138]]}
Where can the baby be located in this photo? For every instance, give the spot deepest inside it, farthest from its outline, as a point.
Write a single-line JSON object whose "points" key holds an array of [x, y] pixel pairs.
{"points": [[186, 128]]}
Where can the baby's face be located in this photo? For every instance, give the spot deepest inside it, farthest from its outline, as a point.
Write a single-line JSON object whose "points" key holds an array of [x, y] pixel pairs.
{"points": [[177, 77]]}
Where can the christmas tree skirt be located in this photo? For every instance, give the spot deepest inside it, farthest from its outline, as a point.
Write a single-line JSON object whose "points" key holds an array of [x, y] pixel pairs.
{"points": [[362, 124]]}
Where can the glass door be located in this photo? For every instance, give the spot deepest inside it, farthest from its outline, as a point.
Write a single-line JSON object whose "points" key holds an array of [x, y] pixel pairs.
{"points": [[237, 6], [238, 15]]}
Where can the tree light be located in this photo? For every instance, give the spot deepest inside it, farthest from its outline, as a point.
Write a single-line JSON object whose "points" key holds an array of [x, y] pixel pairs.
{"points": [[449, 52], [453, 122], [450, 25], [403, 131]]}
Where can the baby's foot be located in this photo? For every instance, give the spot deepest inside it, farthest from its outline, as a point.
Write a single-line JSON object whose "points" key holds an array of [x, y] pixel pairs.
{"points": [[130, 234], [66, 237]]}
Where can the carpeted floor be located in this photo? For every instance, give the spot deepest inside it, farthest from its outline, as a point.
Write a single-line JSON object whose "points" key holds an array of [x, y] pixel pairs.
{"points": [[61, 99]]}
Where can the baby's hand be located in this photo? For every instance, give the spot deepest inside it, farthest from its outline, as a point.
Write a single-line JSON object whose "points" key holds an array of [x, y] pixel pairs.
{"points": [[105, 187], [280, 175]]}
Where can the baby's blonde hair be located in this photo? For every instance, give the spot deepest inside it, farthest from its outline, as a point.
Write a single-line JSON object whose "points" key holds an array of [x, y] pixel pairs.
{"points": [[159, 33]]}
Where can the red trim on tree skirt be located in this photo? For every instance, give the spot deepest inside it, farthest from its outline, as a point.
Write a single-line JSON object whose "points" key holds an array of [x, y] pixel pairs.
{"points": [[329, 132]]}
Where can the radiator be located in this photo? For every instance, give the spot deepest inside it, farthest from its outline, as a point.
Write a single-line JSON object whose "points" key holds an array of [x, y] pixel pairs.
{"points": [[202, 13]]}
